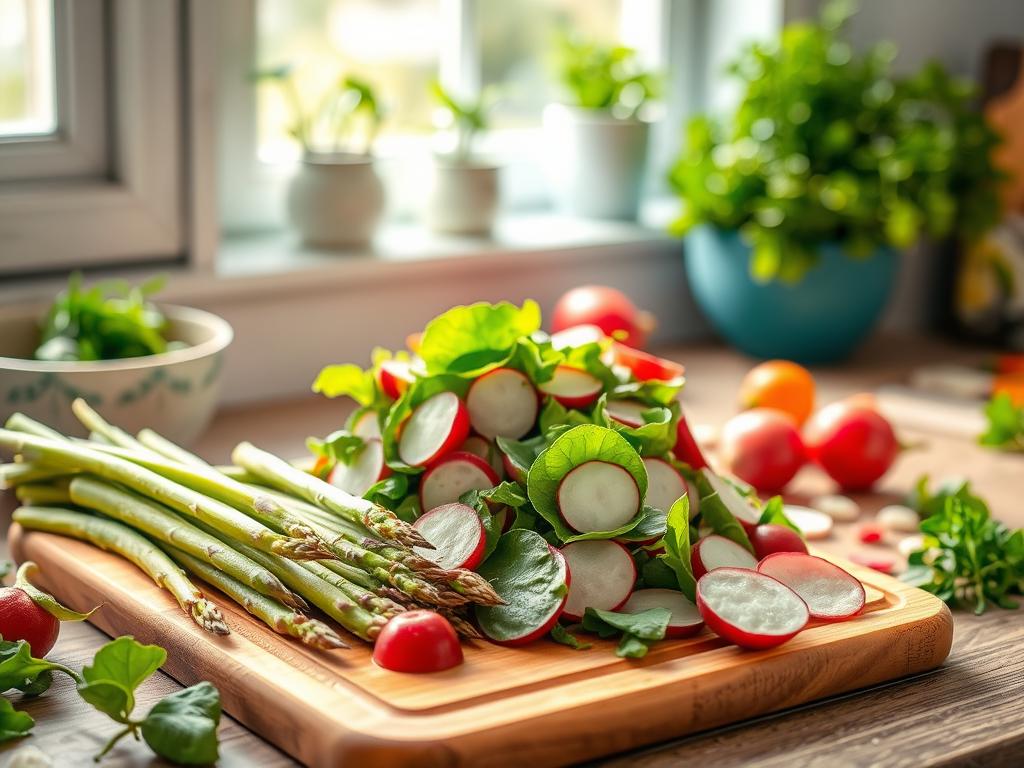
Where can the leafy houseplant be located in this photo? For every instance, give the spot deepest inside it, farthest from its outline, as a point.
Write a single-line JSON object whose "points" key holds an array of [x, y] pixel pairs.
{"points": [[464, 194], [336, 198], [598, 142], [828, 164]]}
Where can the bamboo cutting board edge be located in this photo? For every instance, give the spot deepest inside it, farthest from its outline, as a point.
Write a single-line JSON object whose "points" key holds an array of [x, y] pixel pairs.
{"points": [[575, 717]]}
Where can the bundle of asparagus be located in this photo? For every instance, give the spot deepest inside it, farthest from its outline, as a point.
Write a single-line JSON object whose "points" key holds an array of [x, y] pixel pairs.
{"points": [[267, 535]]}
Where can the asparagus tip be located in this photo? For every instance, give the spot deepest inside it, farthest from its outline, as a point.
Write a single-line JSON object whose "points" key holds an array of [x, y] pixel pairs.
{"points": [[475, 587], [316, 634], [208, 616], [303, 549]]}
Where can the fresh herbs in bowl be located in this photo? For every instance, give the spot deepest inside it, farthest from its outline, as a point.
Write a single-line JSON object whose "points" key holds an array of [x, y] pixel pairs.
{"points": [[111, 320]]}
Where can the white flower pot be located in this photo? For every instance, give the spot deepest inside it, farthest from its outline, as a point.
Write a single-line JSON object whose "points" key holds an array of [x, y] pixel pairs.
{"points": [[595, 161], [463, 197], [335, 199]]}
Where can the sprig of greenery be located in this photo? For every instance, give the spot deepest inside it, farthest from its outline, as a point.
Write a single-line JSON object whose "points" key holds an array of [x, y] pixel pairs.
{"points": [[1005, 429], [639, 630], [468, 117], [828, 145], [181, 728], [967, 558], [109, 321], [604, 76]]}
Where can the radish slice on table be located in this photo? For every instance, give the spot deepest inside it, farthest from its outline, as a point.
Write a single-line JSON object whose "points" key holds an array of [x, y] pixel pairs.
{"points": [[812, 523], [664, 485], [367, 426], [435, 428], [487, 451], [716, 551], [738, 506], [452, 476], [686, 619], [362, 474], [598, 496], [531, 578], [831, 593], [750, 609], [502, 403], [457, 534], [603, 575], [572, 387], [628, 412], [394, 377]]}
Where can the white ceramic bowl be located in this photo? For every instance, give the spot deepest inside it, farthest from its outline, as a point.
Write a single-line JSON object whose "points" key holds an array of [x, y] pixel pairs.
{"points": [[174, 393]]}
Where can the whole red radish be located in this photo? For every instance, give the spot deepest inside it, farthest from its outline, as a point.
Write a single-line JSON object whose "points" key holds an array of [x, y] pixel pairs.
{"points": [[418, 641], [769, 538], [29, 614], [762, 447], [607, 308], [855, 445]]}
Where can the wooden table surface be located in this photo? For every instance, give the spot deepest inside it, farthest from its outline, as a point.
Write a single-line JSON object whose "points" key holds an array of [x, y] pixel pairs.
{"points": [[969, 712]]}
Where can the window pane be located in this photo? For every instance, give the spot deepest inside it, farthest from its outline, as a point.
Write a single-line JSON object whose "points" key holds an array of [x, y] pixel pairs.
{"points": [[26, 68], [392, 44], [517, 40]]}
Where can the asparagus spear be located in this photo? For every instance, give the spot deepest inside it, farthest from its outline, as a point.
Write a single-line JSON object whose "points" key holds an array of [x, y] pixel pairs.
{"points": [[160, 444], [282, 475], [19, 422], [383, 606], [278, 617], [183, 500], [162, 524], [21, 472], [43, 495], [118, 538], [92, 421]]}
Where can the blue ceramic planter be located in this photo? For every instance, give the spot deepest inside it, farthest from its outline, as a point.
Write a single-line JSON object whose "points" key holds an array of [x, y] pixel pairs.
{"points": [[821, 319]]}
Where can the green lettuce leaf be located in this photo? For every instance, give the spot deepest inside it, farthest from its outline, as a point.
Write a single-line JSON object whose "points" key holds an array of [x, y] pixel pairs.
{"points": [[774, 513], [639, 630], [677, 547], [347, 380], [13, 724], [563, 636], [338, 447], [182, 727], [655, 437], [118, 669], [471, 340]]}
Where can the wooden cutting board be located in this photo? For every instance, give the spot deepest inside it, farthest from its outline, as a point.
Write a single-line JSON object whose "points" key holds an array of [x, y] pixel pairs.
{"points": [[537, 706]]}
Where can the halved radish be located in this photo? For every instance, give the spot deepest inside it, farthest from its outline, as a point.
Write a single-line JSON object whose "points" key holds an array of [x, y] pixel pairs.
{"points": [[598, 496], [750, 609], [628, 412], [738, 507], [435, 428], [686, 619], [664, 484], [502, 403], [831, 593], [716, 551], [769, 538], [603, 575], [457, 534], [367, 426], [362, 474], [452, 476], [572, 387], [487, 451], [394, 377]]}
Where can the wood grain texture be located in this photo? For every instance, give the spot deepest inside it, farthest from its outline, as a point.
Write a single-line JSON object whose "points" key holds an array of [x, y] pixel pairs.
{"points": [[544, 704]]}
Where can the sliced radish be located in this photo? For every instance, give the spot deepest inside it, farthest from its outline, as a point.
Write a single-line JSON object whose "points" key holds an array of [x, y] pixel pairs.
{"points": [[452, 476], [487, 451], [362, 474], [457, 534], [598, 496], [577, 336], [716, 551], [750, 609], [812, 523], [664, 485], [686, 448], [738, 506], [769, 538], [831, 593], [502, 403], [603, 575], [686, 619], [572, 387], [367, 426], [435, 428], [394, 377], [628, 412], [644, 366]]}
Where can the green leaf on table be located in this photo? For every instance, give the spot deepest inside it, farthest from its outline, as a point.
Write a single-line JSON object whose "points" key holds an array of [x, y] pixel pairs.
{"points": [[677, 547], [563, 636], [774, 513], [20, 670], [183, 726], [576, 446], [1005, 427], [639, 630], [13, 724], [471, 340], [109, 697], [118, 668]]}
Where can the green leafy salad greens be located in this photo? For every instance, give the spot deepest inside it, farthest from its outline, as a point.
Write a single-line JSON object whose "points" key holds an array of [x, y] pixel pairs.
{"points": [[1005, 424]]}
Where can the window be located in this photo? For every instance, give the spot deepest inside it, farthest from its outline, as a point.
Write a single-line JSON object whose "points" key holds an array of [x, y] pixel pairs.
{"points": [[27, 105]]}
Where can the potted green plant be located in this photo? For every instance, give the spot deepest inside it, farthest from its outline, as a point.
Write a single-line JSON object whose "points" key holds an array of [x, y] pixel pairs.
{"points": [[336, 198], [597, 139], [795, 208], [464, 193]]}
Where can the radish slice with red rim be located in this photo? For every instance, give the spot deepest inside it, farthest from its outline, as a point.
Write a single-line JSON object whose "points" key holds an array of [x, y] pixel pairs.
{"points": [[394, 377], [603, 575], [598, 496], [366, 426], [664, 484], [628, 412], [452, 476], [457, 534], [732, 500], [750, 609], [686, 619], [362, 474], [487, 451], [502, 403], [716, 551], [572, 387], [437, 426], [831, 593]]}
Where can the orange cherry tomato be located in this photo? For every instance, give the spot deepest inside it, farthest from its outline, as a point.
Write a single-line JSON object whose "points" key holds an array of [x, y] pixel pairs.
{"points": [[780, 385]]}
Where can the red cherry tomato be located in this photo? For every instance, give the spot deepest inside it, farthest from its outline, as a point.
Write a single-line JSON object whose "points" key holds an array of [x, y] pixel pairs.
{"points": [[418, 641], [770, 538], [762, 447], [607, 308], [644, 365], [853, 444], [22, 619]]}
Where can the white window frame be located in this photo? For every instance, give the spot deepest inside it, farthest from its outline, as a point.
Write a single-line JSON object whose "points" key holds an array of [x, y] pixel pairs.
{"points": [[130, 208]]}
